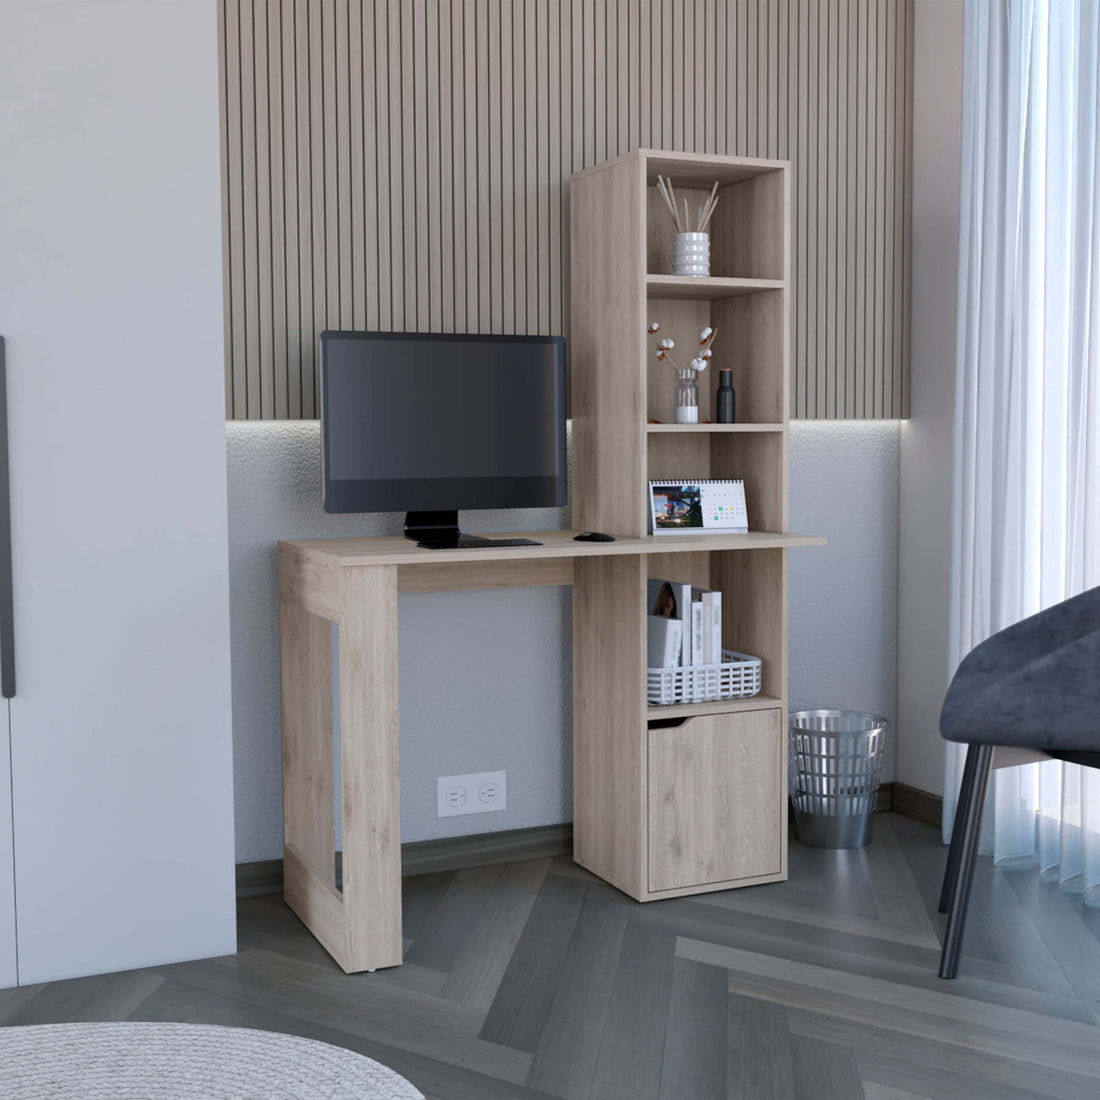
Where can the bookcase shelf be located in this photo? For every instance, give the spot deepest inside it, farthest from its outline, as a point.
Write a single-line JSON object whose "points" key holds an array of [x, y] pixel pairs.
{"points": [[648, 800], [707, 289], [728, 540], [721, 706], [708, 429]]}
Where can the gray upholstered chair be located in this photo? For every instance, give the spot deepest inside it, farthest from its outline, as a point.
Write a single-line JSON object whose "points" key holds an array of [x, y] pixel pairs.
{"points": [[1030, 692]]}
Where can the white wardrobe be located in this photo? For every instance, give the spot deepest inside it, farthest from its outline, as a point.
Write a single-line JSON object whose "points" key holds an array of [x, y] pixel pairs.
{"points": [[116, 821]]}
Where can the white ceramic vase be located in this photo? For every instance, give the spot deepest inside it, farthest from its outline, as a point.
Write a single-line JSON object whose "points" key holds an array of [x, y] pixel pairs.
{"points": [[691, 254]]}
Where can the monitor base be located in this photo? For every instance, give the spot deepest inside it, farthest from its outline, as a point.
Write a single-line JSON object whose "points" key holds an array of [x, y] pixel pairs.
{"points": [[440, 531]]}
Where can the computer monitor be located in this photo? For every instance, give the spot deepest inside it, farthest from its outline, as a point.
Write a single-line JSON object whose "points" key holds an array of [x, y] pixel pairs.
{"points": [[430, 423]]}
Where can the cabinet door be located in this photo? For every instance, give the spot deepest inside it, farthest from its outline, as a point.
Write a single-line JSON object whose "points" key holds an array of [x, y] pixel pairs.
{"points": [[111, 307], [716, 800]]}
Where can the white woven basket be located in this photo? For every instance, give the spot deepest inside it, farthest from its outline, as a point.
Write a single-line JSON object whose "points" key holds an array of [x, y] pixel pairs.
{"points": [[737, 677]]}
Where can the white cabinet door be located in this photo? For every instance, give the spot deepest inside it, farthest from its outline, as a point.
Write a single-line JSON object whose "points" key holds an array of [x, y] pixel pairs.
{"points": [[111, 305]]}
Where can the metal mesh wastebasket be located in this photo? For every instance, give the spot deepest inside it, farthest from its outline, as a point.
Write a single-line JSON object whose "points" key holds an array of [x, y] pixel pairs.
{"points": [[835, 763]]}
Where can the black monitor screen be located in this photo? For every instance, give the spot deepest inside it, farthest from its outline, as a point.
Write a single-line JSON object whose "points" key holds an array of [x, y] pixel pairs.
{"points": [[415, 422]]}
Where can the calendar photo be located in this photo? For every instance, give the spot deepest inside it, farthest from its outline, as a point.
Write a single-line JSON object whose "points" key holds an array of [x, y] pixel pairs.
{"points": [[688, 507], [677, 507]]}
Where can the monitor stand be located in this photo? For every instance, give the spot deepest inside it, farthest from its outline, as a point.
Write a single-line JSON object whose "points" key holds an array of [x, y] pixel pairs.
{"points": [[439, 531]]}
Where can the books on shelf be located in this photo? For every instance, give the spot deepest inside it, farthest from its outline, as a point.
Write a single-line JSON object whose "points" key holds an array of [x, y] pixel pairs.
{"points": [[710, 603], [664, 640], [697, 612], [673, 600], [696, 633]]}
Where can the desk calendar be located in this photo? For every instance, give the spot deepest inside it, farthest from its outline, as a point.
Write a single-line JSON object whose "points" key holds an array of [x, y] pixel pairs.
{"points": [[684, 507]]}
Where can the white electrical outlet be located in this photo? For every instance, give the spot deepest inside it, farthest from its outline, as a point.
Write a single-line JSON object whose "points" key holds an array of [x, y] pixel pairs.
{"points": [[478, 793]]}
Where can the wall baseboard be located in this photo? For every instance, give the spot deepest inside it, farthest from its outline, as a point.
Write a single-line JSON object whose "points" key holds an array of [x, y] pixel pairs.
{"points": [[425, 856], [918, 804], [541, 842]]}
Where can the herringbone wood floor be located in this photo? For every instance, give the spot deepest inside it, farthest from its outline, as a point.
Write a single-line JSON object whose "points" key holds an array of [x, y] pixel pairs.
{"points": [[537, 980]]}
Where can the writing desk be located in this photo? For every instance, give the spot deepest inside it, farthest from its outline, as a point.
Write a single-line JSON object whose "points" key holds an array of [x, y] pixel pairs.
{"points": [[355, 584]]}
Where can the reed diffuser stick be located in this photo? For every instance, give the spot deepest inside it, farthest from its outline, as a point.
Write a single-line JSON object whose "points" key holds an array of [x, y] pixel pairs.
{"points": [[675, 207], [662, 188], [708, 207], [710, 212]]}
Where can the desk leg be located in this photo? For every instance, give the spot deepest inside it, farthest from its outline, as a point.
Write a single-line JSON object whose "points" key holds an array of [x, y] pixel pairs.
{"points": [[369, 767], [309, 866], [306, 673]]}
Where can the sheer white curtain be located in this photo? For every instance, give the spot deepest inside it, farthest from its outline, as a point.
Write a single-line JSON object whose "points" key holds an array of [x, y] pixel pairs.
{"points": [[1027, 435]]}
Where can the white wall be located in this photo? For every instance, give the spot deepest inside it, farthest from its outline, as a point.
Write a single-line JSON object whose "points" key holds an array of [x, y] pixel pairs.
{"points": [[843, 597], [506, 702], [927, 438]]}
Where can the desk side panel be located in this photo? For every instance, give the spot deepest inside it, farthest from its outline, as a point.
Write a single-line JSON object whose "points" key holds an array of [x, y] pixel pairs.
{"points": [[607, 225], [369, 768], [305, 666], [609, 720]]}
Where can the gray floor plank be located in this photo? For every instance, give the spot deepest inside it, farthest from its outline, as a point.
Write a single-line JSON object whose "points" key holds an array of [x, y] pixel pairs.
{"points": [[875, 958], [926, 855], [55, 1002], [420, 894], [1073, 947], [942, 1002], [766, 904], [937, 1081], [729, 925], [996, 1070], [564, 865], [270, 924], [847, 885], [568, 1049], [824, 1071], [872, 1091], [629, 1062], [118, 997], [759, 1064], [478, 969], [519, 1010], [1030, 961], [696, 1037], [895, 890], [445, 930], [1074, 1055], [852, 953]]}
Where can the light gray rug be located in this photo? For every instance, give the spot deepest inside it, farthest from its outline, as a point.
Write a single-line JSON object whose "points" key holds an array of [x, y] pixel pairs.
{"points": [[135, 1061]]}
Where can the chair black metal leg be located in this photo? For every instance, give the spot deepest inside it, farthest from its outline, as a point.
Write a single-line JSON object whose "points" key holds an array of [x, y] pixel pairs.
{"points": [[968, 853], [951, 871]]}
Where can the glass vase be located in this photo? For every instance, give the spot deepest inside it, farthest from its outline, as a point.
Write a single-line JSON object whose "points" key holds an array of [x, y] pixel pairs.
{"points": [[687, 396]]}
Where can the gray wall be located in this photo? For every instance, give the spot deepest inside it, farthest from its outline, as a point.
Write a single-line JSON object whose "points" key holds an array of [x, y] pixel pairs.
{"points": [[505, 702], [927, 438]]}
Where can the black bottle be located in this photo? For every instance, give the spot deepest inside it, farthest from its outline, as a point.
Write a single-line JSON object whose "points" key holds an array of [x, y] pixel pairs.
{"points": [[727, 399]]}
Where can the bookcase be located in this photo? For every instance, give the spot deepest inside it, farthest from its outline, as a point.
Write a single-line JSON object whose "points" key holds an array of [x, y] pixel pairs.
{"points": [[679, 799]]}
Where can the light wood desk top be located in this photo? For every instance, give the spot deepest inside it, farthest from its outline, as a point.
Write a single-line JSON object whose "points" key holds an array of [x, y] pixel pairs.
{"points": [[398, 550]]}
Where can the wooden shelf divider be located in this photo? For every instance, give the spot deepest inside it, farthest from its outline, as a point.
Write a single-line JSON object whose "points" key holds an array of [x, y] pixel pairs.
{"points": [[707, 288], [704, 429]]}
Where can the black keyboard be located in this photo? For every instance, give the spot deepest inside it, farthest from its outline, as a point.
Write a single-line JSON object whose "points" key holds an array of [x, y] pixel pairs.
{"points": [[472, 542]]}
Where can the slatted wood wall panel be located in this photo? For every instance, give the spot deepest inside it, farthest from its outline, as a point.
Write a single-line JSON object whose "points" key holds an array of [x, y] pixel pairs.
{"points": [[404, 165]]}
